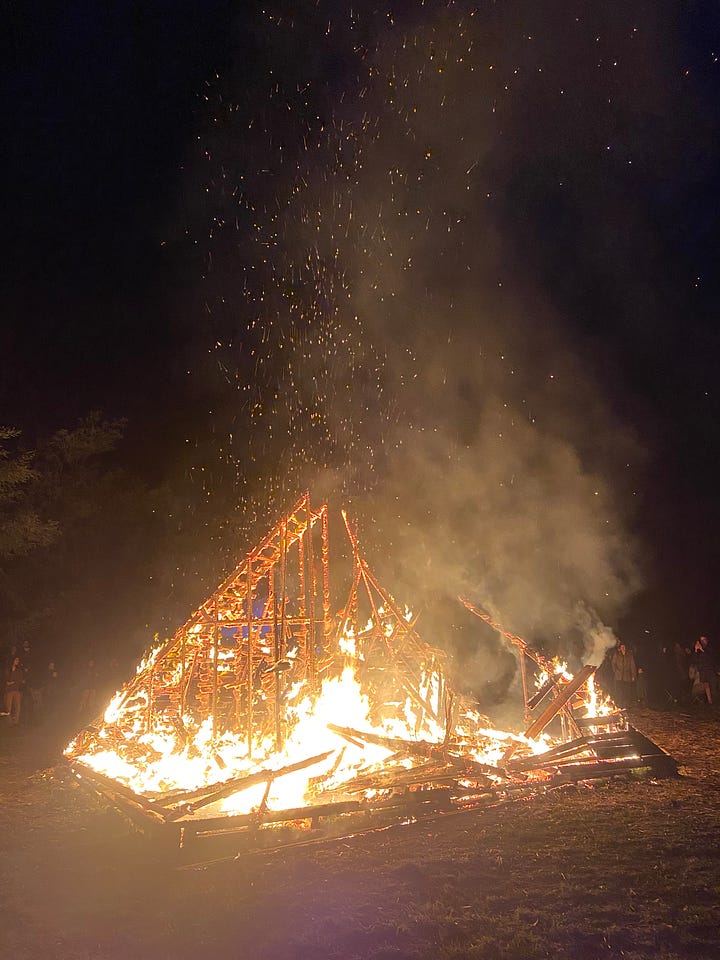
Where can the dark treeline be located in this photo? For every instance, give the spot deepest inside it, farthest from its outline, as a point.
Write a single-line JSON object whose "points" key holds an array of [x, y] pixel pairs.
{"points": [[94, 559]]}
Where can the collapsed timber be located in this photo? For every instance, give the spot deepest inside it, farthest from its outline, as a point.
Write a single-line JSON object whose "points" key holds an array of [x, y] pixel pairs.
{"points": [[396, 794], [265, 721]]}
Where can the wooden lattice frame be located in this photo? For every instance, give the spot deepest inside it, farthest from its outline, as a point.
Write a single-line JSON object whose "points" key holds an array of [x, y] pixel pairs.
{"points": [[267, 625]]}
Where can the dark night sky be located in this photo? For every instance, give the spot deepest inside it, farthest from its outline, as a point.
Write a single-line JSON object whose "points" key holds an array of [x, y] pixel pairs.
{"points": [[589, 219], [103, 101]]}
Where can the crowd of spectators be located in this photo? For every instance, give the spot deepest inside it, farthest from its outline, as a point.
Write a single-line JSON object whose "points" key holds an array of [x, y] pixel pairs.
{"points": [[673, 674], [34, 686]]}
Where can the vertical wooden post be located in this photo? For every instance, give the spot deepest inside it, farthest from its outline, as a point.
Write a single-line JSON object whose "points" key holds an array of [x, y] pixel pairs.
{"points": [[327, 624], [182, 675], [249, 660], [311, 653], [349, 614], [216, 648], [283, 570], [272, 603], [302, 598], [302, 591], [148, 716], [523, 673]]}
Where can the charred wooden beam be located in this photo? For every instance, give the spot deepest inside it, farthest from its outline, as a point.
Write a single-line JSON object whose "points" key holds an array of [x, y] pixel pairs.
{"points": [[602, 769], [219, 825], [564, 694], [607, 721], [537, 698], [419, 748], [243, 783], [566, 749], [415, 696], [112, 789], [315, 781], [388, 778], [416, 748], [647, 747]]}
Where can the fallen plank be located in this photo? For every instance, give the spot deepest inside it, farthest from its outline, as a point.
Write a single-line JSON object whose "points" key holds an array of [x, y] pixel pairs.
{"points": [[603, 769], [115, 790], [235, 786], [416, 748]]}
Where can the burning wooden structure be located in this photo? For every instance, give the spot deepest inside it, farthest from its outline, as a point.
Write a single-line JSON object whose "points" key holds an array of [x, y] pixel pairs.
{"points": [[266, 720]]}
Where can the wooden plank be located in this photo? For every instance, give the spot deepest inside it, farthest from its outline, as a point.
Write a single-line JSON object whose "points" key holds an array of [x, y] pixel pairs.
{"points": [[416, 748], [602, 769], [219, 825], [113, 790], [648, 747], [544, 690], [569, 749], [251, 780], [384, 779], [555, 706], [600, 721]]}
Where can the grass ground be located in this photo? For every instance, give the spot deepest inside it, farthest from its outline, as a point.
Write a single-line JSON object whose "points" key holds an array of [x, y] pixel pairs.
{"points": [[627, 869]]}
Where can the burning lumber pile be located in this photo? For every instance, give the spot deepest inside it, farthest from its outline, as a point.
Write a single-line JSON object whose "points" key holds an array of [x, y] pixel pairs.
{"points": [[264, 719]]}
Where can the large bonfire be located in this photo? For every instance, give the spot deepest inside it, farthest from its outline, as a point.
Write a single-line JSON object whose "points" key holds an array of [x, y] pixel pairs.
{"points": [[265, 708]]}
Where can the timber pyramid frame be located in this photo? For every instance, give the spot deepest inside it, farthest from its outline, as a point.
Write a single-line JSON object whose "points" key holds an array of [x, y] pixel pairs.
{"points": [[266, 637], [268, 627]]}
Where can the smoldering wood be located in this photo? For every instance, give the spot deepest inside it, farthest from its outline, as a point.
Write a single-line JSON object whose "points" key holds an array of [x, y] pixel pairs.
{"points": [[544, 690], [611, 720], [564, 694], [529, 762], [113, 789], [231, 823], [244, 783], [398, 777], [617, 744], [395, 744], [601, 769], [287, 643]]}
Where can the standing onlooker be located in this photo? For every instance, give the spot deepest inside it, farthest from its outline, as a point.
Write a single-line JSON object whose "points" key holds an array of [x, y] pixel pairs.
{"points": [[704, 667], [12, 652], [624, 675], [14, 687]]}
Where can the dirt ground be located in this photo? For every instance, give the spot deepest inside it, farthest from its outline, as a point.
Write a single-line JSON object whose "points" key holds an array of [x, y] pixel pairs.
{"points": [[627, 869]]}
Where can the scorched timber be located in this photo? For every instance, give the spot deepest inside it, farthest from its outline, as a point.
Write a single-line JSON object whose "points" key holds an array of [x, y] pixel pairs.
{"points": [[416, 748], [263, 655], [560, 700], [244, 783]]}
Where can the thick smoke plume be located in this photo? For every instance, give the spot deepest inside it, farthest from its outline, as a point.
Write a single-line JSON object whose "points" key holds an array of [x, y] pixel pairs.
{"points": [[389, 343]]}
